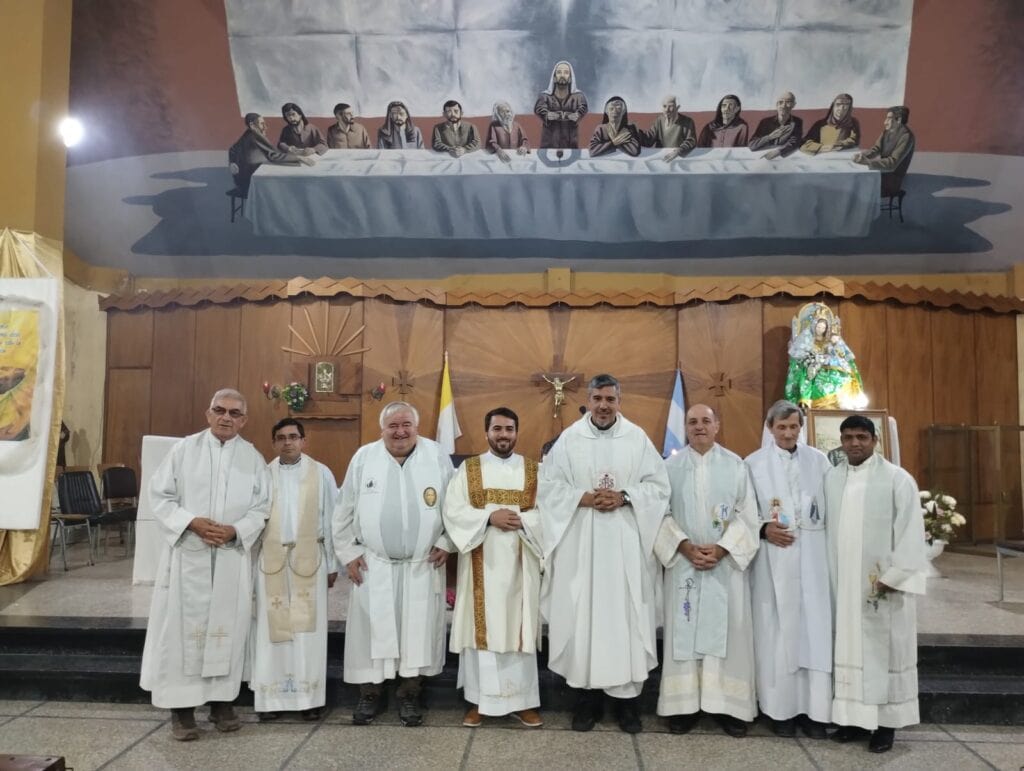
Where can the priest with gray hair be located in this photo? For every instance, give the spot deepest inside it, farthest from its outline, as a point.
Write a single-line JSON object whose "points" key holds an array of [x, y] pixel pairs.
{"points": [[211, 499], [789, 585], [389, 535]]}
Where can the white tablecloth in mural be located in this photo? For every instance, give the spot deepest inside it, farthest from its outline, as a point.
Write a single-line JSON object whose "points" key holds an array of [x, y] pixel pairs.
{"points": [[711, 194]]}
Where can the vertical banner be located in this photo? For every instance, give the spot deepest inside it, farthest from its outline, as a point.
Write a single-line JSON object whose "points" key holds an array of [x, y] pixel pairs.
{"points": [[28, 341]]}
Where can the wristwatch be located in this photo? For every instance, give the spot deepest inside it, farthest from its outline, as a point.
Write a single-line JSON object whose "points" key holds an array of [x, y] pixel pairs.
{"points": [[626, 501]]}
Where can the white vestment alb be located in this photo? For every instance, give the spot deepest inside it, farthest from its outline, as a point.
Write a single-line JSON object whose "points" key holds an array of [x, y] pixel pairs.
{"points": [[202, 597], [790, 594], [600, 587], [496, 623], [390, 514], [708, 661], [875, 531], [291, 675]]}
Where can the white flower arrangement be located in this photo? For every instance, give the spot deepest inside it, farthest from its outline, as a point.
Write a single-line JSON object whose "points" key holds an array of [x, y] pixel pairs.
{"points": [[940, 516], [295, 395]]}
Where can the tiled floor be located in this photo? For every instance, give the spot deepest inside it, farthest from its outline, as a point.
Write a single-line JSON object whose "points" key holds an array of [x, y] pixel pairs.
{"points": [[131, 736], [961, 601]]}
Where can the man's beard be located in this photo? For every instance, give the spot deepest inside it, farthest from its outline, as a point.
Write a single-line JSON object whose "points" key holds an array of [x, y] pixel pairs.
{"points": [[497, 448]]}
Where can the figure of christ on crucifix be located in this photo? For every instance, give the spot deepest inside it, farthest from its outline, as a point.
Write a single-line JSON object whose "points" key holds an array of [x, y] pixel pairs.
{"points": [[558, 382]]}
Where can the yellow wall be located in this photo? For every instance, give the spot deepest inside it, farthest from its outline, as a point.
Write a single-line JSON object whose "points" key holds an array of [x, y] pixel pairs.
{"points": [[35, 52], [85, 353]]}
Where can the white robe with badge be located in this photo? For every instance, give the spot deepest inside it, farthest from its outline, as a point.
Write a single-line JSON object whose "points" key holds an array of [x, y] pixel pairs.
{"points": [[291, 675], [789, 586], [600, 587], [202, 597], [875, 531], [708, 637], [390, 514], [501, 582]]}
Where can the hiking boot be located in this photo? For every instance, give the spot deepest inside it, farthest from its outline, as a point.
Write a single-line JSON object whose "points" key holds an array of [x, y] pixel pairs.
{"points": [[223, 717], [371, 704], [409, 710], [183, 724]]}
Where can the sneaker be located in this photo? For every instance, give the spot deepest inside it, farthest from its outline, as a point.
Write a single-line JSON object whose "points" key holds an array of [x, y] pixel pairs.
{"points": [[183, 724], [223, 717], [369, 706], [472, 717], [529, 718], [409, 710], [732, 726], [882, 740], [629, 715], [683, 724]]}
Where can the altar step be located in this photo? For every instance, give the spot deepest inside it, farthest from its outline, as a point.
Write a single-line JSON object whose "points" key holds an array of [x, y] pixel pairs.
{"points": [[963, 679]]}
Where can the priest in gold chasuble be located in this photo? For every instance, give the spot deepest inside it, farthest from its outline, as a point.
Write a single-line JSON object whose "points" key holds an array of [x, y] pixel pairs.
{"points": [[490, 515]]}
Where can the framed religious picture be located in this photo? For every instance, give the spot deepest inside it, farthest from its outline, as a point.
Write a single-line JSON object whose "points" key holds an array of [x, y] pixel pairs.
{"points": [[823, 431]]}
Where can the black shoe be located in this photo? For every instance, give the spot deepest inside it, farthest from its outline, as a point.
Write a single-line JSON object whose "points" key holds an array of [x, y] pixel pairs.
{"points": [[313, 713], [588, 711], [848, 733], [812, 729], [784, 728], [734, 727], [224, 717], [267, 717], [369, 706], [409, 710], [882, 739], [629, 715], [683, 724]]}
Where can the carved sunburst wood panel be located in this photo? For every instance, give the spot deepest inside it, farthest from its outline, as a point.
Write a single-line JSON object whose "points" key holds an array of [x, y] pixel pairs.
{"points": [[495, 354], [722, 345]]}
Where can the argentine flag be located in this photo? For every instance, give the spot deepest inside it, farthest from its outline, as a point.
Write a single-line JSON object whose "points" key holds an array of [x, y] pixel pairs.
{"points": [[675, 426], [447, 423]]}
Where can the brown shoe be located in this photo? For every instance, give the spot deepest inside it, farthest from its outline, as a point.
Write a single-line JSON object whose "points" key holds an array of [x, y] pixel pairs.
{"points": [[223, 717], [529, 718], [183, 724], [472, 718]]}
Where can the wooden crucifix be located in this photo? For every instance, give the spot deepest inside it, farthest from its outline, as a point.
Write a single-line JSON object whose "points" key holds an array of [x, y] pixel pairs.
{"points": [[558, 381], [403, 381]]}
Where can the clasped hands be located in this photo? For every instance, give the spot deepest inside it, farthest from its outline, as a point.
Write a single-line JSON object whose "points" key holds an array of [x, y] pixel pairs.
{"points": [[702, 557], [212, 533], [603, 500], [357, 567]]}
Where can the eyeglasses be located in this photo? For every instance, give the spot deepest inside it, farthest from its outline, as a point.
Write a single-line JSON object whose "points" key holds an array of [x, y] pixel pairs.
{"points": [[233, 414]]}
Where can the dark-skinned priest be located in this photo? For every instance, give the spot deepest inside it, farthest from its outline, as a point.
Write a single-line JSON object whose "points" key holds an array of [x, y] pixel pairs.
{"points": [[875, 530]]}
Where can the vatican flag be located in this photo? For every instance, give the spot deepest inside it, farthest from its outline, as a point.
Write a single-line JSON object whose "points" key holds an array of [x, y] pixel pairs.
{"points": [[447, 423]]}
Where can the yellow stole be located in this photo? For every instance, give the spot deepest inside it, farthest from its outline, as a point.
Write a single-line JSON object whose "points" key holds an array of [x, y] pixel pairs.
{"points": [[479, 497], [291, 604]]}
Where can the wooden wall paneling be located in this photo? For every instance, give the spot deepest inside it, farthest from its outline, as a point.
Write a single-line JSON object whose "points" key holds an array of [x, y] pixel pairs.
{"points": [[910, 382], [174, 352], [129, 339], [776, 321], [995, 340], [264, 331], [126, 419], [866, 332], [953, 366], [636, 345], [407, 338], [722, 356], [218, 345]]}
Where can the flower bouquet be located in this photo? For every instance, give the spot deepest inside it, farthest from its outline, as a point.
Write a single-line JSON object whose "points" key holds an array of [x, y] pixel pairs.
{"points": [[940, 516], [295, 395]]}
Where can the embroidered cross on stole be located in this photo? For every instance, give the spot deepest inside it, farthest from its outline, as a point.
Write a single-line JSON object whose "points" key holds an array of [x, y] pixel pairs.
{"points": [[479, 497], [290, 571]]}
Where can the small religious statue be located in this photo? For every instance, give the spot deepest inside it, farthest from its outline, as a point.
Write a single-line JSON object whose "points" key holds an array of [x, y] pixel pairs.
{"points": [[559, 388], [823, 373]]}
